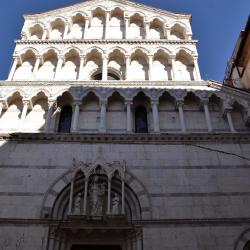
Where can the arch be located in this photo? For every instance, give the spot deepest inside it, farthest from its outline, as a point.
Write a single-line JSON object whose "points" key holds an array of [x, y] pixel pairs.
{"points": [[136, 26], [117, 6], [178, 30], [156, 29], [88, 91], [162, 66], [36, 32], [140, 13], [66, 90], [73, 49], [26, 51], [101, 7], [116, 24], [97, 25], [121, 49], [13, 92], [165, 50], [117, 64], [51, 48], [157, 17], [57, 28], [144, 50], [93, 63], [62, 18], [138, 69], [64, 125], [77, 28], [59, 185], [82, 12], [113, 91], [184, 64], [40, 90]]}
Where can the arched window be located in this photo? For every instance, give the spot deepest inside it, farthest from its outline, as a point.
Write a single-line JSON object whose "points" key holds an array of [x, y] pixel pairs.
{"points": [[65, 120], [141, 120], [247, 246], [111, 77]]}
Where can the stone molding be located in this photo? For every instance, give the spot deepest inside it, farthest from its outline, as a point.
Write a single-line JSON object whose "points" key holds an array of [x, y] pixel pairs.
{"points": [[159, 139]]}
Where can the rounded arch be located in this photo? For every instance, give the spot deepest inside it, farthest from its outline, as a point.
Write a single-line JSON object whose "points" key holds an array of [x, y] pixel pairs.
{"points": [[72, 49], [61, 18], [242, 240], [113, 91], [117, 6], [66, 90], [186, 50], [43, 25], [94, 48], [62, 183], [182, 24], [145, 51], [32, 50], [51, 48], [166, 50], [40, 90], [139, 13], [81, 12], [122, 50], [89, 91], [161, 19], [100, 7], [14, 92], [36, 31]]}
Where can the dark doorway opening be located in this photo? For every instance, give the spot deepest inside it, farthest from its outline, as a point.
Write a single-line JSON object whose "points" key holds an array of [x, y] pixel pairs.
{"points": [[95, 247]]}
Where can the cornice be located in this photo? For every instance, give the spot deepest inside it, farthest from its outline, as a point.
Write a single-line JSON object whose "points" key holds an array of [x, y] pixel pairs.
{"points": [[107, 41], [94, 2], [194, 221], [151, 138]]}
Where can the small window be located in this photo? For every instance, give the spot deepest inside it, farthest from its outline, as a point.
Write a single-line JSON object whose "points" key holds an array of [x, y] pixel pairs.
{"points": [[65, 120], [141, 120]]}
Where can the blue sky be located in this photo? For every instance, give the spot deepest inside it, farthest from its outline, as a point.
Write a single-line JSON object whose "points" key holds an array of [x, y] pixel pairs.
{"points": [[216, 24]]}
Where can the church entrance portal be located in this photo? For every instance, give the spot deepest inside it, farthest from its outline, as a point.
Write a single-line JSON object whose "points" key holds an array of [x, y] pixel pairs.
{"points": [[95, 247]]}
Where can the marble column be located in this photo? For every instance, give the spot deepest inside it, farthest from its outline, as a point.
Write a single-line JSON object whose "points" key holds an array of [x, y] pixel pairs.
{"points": [[49, 116], [23, 115], [167, 33], [229, 120], [150, 67], [45, 33], [126, 27], [66, 31], [207, 115], [147, 28], [102, 127], [1, 108], [59, 67], [109, 196], [127, 67], [71, 195], [76, 116], [13, 69], [123, 196], [37, 64], [107, 25], [81, 67], [86, 184], [173, 68], [197, 70], [104, 67], [129, 117], [181, 116], [155, 115], [86, 28]]}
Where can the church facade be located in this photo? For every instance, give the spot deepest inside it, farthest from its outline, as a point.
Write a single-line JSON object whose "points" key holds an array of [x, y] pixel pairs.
{"points": [[111, 140]]}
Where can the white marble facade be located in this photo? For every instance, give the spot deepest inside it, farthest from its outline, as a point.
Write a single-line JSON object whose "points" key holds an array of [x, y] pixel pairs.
{"points": [[110, 139]]}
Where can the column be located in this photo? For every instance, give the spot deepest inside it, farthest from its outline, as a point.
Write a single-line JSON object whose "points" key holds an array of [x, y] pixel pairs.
{"points": [[126, 27], [155, 115], [109, 195], [81, 68], [129, 118], [173, 68], [59, 66], [24, 113], [13, 69], [45, 33], [86, 28], [167, 33], [107, 25], [123, 196], [150, 67], [207, 115], [229, 120], [197, 70], [86, 184], [180, 104], [1, 109], [71, 194], [38, 61], [49, 116], [103, 116], [75, 116], [104, 67], [147, 27], [66, 31], [127, 67]]}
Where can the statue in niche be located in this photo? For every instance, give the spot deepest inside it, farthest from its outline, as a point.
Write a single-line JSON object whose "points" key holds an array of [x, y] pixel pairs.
{"points": [[97, 192], [77, 204], [116, 204]]}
